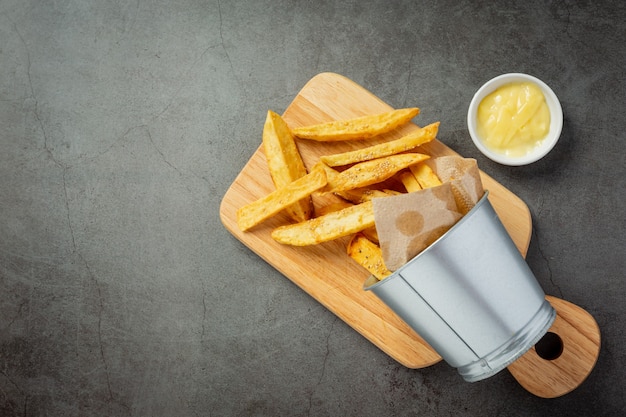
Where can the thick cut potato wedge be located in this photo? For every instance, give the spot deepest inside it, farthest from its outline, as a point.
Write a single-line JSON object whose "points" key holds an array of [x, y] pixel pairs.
{"points": [[284, 162], [374, 171], [368, 255], [425, 176], [405, 143], [328, 227], [361, 195], [357, 128], [254, 213], [331, 208]]}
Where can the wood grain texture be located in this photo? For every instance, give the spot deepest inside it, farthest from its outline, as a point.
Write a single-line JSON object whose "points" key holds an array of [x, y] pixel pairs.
{"points": [[580, 335], [325, 271]]}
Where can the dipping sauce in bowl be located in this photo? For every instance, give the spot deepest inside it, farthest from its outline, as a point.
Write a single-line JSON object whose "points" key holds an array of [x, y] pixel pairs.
{"points": [[515, 119]]}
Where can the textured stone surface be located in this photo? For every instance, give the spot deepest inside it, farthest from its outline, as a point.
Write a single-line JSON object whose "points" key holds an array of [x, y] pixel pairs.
{"points": [[122, 124]]}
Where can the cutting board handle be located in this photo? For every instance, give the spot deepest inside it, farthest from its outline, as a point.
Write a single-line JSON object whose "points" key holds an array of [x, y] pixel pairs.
{"points": [[564, 357]]}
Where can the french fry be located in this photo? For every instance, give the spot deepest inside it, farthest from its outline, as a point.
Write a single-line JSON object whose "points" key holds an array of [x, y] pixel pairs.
{"points": [[371, 172], [254, 213], [331, 174], [357, 128], [328, 227], [330, 208], [368, 255], [374, 171], [371, 234], [409, 181], [284, 162], [361, 195], [405, 143], [425, 175]]}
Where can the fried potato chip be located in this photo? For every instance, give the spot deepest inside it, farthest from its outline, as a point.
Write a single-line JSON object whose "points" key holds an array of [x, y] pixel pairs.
{"points": [[405, 143], [284, 162], [409, 181], [328, 227], [368, 255], [357, 128], [425, 175], [374, 171], [254, 213]]}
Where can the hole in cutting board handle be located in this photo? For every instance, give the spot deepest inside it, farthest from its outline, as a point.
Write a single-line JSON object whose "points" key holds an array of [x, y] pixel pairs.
{"points": [[573, 355], [549, 347]]}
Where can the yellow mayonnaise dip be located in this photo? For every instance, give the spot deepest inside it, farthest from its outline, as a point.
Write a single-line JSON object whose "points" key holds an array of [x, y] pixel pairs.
{"points": [[514, 118]]}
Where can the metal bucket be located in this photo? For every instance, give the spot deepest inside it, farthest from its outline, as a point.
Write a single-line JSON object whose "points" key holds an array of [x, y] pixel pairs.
{"points": [[471, 296]]}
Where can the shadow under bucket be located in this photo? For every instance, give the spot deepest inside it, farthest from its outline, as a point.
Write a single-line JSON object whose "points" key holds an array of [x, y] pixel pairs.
{"points": [[471, 296]]}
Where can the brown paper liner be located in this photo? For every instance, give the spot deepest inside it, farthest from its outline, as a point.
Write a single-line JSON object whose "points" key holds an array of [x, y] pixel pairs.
{"points": [[408, 223]]}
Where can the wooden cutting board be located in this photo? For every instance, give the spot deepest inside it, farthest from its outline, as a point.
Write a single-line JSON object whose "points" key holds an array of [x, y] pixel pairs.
{"points": [[325, 271]]}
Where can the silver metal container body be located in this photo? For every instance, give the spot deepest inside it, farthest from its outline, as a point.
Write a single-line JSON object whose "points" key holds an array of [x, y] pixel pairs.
{"points": [[471, 296]]}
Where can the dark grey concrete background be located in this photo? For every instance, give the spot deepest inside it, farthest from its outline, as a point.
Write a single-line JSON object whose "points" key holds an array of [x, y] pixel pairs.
{"points": [[122, 125]]}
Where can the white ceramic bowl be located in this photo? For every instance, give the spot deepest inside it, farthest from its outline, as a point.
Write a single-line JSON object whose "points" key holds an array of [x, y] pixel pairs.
{"points": [[556, 119]]}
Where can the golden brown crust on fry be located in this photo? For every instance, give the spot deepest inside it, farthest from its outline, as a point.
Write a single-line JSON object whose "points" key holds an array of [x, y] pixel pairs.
{"points": [[328, 227], [368, 255], [330, 208], [405, 143], [357, 128], [425, 176], [409, 181], [254, 213], [374, 171], [331, 174], [361, 195], [284, 162]]}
